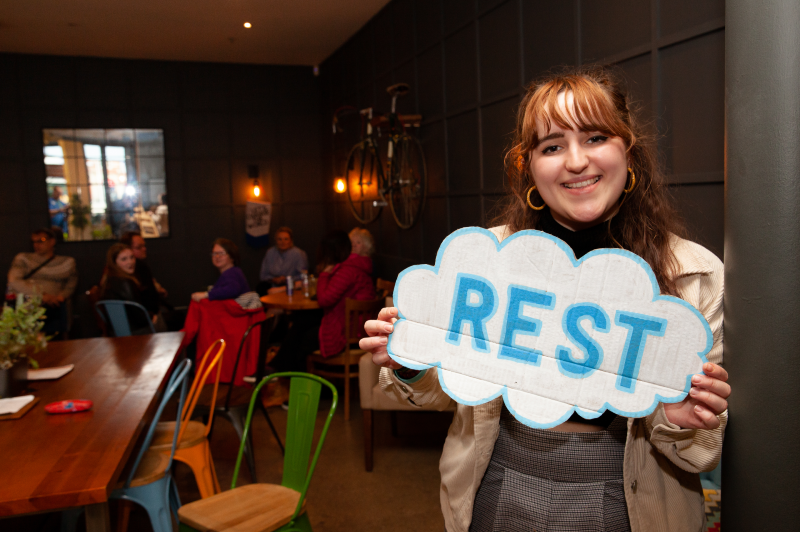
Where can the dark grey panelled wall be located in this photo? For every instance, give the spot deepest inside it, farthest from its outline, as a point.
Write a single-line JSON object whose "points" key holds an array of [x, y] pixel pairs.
{"points": [[217, 120], [467, 62]]}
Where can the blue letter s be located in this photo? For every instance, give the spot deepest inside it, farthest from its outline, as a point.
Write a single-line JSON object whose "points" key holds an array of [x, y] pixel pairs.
{"points": [[593, 352]]}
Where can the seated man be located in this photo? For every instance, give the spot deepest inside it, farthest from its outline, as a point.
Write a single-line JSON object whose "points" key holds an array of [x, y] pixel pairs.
{"points": [[283, 259], [51, 276]]}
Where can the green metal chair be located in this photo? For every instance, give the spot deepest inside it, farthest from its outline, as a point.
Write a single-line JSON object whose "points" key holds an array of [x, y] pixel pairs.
{"points": [[260, 506]]}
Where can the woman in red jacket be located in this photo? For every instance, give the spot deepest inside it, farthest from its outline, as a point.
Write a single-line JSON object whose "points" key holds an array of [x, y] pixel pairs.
{"points": [[342, 275]]}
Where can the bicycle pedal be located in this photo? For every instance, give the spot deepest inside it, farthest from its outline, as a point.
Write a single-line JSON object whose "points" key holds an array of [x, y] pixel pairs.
{"points": [[379, 203]]}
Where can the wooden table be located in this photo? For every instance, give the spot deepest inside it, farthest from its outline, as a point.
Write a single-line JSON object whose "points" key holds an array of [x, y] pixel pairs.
{"points": [[52, 462], [296, 302]]}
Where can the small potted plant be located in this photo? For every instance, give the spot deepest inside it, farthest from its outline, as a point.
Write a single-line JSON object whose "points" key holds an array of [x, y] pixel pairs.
{"points": [[20, 337]]}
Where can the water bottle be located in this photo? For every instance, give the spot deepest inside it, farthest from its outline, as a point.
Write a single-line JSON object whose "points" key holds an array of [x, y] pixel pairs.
{"points": [[305, 284], [289, 285]]}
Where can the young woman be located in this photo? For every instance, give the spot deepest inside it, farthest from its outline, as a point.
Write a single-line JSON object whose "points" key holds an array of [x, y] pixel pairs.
{"points": [[120, 283], [231, 282], [582, 170]]}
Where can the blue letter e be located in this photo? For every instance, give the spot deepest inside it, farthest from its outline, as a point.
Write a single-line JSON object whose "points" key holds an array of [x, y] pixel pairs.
{"points": [[639, 327], [516, 322], [475, 313]]}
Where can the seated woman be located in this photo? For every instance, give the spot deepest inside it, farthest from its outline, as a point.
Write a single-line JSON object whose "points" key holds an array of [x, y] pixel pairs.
{"points": [[225, 312], [342, 275], [119, 283], [363, 243], [231, 282]]}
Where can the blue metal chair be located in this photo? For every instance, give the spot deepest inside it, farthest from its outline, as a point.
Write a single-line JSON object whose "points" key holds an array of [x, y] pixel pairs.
{"points": [[114, 311], [150, 482]]}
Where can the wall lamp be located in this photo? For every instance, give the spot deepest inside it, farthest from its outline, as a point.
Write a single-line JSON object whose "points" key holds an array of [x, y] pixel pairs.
{"points": [[340, 185], [252, 172]]}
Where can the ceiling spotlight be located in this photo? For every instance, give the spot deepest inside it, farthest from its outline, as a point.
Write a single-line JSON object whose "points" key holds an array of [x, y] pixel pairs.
{"points": [[247, 25]]}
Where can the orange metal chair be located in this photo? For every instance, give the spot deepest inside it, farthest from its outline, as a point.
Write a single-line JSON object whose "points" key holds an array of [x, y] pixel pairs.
{"points": [[193, 448]]}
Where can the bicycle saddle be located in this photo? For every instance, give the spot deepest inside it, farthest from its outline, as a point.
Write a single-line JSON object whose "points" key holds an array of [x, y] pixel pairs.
{"points": [[398, 89]]}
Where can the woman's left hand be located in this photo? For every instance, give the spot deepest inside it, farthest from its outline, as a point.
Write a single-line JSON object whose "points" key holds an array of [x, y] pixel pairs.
{"points": [[707, 398], [197, 296]]}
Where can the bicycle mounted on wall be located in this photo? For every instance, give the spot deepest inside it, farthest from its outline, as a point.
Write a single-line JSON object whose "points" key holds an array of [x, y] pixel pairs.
{"points": [[402, 184]]}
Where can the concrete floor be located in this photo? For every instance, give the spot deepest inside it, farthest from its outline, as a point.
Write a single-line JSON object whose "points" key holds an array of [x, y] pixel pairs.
{"points": [[400, 494]]}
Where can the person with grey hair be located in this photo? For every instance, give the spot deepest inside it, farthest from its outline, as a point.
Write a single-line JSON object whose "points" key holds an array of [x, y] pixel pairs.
{"points": [[363, 243]]}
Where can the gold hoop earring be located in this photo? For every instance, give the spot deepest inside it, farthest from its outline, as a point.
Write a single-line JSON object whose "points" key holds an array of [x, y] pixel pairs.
{"points": [[529, 201], [633, 182]]}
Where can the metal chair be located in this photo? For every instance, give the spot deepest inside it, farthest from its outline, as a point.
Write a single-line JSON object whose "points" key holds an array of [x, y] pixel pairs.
{"points": [[150, 482], [193, 448], [261, 506], [237, 398], [115, 312]]}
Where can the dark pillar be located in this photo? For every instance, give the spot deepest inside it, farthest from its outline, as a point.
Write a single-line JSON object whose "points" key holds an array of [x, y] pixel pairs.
{"points": [[761, 456]]}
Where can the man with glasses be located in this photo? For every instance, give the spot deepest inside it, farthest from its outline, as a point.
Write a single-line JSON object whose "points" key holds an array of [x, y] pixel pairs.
{"points": [[43, 273]]}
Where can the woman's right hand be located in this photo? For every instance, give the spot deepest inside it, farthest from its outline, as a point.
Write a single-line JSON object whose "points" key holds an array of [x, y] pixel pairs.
{"points": [[378, 331]]}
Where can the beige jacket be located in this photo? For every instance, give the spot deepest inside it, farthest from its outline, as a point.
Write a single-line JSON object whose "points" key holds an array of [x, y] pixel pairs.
{"points": [[662, 487]]}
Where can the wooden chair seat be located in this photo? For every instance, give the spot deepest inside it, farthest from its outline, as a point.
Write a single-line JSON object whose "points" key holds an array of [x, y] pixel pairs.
{"points": [[257, 507], [338, 359], [194, 434], [152, 468]]}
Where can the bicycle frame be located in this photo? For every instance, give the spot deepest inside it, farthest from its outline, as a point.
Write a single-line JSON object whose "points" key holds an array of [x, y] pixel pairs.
{"points": [[368, 193]]}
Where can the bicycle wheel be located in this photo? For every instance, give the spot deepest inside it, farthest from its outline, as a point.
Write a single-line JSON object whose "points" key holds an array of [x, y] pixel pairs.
{"points": [[409, 181], [364, 175]]}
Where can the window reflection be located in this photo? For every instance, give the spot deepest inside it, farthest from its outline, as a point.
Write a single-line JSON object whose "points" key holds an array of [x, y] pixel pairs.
{"points": [[102, 183]]}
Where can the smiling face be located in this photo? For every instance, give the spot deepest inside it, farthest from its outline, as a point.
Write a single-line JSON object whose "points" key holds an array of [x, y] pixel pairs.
{"points": [[579, 174], [220, 258], [126, 261]]}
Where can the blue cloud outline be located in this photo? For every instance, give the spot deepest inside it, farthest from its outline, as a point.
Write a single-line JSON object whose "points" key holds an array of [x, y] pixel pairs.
{"points": [[575, 263]]}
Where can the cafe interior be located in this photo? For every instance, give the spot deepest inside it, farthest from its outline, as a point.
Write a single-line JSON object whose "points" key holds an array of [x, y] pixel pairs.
{"points": [[227, 143]]}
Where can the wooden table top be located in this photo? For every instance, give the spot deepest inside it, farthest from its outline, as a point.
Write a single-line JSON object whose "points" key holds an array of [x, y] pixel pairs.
{"points": [[295, 302], [71, 460]]}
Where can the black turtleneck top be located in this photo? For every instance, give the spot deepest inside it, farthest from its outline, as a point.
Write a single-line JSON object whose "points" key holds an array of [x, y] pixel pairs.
{"points": [[582, 242]]}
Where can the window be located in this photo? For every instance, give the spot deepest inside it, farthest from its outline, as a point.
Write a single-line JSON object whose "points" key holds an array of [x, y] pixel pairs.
{"points": [[104, 182]]}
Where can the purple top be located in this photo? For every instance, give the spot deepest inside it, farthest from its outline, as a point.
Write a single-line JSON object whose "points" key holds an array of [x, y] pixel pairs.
{"points": [[231, 284]]}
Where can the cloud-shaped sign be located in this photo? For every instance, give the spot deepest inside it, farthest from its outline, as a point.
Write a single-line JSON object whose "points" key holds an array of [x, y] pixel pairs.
{"points": [[553, 335]]}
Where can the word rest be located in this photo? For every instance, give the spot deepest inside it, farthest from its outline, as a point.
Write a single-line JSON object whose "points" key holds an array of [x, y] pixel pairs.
{"points": [[475, 302]]}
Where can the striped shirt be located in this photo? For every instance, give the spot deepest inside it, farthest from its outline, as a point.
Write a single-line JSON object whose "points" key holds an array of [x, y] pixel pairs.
{"points": [[662, 460], [58, 277]]}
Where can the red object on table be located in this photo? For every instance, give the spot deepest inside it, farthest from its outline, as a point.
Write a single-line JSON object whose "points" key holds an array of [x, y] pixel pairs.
{"points": [[225, 319], [68, 406]]}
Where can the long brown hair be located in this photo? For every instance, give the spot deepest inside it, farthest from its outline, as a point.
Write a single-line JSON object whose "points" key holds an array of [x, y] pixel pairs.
{"points": [[646, 219], [111, 269]]}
